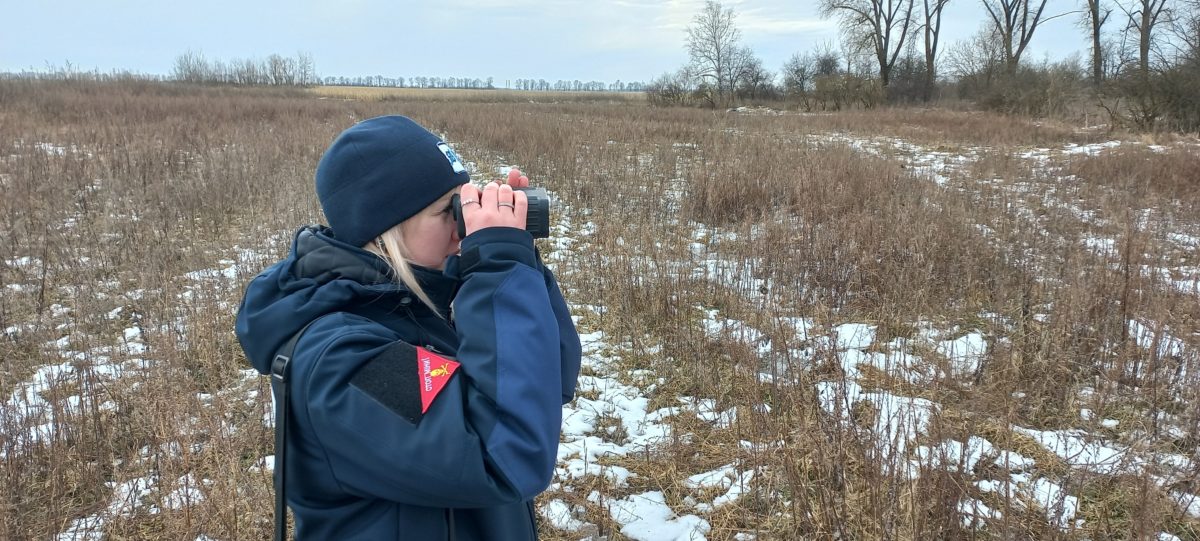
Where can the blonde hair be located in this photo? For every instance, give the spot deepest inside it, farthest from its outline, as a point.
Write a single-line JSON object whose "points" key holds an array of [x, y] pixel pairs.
{"points": [[391, 248]]}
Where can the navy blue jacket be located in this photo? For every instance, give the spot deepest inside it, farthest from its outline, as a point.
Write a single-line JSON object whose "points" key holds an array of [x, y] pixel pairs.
{"points": [[363, 462]]}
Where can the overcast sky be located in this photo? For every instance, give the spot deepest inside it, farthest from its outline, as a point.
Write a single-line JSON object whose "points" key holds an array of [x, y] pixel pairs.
{"points": [[630, 40]]}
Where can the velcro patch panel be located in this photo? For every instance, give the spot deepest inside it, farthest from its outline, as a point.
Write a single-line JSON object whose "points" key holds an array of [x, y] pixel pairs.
{"points": [[405, 379]]}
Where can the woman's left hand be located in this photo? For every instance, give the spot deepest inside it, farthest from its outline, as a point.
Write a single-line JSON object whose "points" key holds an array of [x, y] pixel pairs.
{"points": [[497, 205]]}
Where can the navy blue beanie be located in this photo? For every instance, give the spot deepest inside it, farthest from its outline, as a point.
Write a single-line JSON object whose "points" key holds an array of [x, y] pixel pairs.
{"points": [[379, 173]]}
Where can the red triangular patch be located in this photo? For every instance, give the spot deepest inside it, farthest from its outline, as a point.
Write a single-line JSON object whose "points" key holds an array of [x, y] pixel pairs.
{"points": [[432, 374]]}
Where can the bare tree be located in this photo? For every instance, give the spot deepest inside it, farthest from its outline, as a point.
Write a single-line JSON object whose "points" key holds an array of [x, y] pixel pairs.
{"points": [[247, 72], [743, 67], [190, 67], [274, 69], [884, 24], [977, 62], [218, 73], [827, 60], [932, 30], [1187, 30], [859, 56], [714, 45], [670, 88], [755, 81], [797, 74], [1014, 21], [1094, 16], [306, 73], [1144, 17]]}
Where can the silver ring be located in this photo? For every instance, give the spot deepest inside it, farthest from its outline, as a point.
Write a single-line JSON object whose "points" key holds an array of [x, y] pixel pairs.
{"points": [[509, 205], [469, 201]]}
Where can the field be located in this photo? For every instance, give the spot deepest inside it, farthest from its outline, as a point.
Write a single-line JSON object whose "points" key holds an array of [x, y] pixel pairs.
{"points": [[890, 324]]}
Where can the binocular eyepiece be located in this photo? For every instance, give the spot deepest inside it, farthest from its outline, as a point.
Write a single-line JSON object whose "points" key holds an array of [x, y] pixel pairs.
{"points": [[537, 219]]}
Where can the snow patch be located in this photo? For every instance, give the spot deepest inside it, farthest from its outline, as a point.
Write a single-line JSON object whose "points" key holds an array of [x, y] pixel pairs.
{"points": [[647, 517]]}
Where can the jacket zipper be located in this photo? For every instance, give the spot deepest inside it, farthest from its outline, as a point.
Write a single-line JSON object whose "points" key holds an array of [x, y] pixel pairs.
{"points": [[450, 525]]}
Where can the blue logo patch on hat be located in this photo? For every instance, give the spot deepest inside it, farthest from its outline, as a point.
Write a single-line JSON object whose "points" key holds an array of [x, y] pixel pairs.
{"points": [[451, 157]]}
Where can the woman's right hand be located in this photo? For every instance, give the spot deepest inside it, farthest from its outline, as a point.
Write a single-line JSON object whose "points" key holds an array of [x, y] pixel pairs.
{"points": [[497, 205]]}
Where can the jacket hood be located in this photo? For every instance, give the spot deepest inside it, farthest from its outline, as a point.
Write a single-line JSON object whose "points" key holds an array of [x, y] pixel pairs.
{"points": [[323, 275]]}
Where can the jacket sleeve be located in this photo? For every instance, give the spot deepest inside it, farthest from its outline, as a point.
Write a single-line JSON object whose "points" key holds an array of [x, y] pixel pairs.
{"points": [[490, 437], [568, 338]]}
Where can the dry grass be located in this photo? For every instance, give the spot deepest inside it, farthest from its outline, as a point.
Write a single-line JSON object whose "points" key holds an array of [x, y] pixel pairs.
{"points": [[120, 191]]}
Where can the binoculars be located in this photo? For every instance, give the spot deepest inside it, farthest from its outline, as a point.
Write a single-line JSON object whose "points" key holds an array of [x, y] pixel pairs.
{"points": [[537, 219]]}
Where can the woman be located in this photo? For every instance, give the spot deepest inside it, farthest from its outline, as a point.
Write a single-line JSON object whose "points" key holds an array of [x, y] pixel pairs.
{"points": [[426, 390]]}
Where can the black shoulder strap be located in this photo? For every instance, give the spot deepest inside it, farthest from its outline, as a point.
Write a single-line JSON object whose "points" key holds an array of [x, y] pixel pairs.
{"points": [[279, 375]]}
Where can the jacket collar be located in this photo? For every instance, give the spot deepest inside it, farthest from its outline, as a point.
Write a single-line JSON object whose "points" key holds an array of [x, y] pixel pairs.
{"points": [[322, 257]]}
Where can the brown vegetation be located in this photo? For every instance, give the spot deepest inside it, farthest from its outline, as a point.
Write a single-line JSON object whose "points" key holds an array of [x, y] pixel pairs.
{"points": [[112, 196]]}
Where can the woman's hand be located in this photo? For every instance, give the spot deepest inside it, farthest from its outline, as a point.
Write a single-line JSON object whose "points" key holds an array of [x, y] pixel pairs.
{"points": [[497, 205]]}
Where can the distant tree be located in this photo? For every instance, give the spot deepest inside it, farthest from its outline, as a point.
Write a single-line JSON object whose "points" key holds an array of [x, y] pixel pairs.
{"points": [[306, 71], [1185, 107], [827, 61], [279, 70], [250, 72], [1187, 30], [910, 78], [190, 67], [714, 46], [797, 74], [671, 88], [1153, 86], [977, 62], [878, 25], [1014, 22], [1094, 16], [932, 28], [859, 57], [1144, 18], [756, 81]]}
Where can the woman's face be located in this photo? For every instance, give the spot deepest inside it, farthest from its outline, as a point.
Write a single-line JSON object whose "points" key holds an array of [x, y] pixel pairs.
{"points": [[431, 235]]}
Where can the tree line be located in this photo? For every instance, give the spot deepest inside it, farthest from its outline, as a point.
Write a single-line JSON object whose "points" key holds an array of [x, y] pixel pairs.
{"points": [[1143, 67], [274, 70], [300, 71], [488, 83], [277, 70]]}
